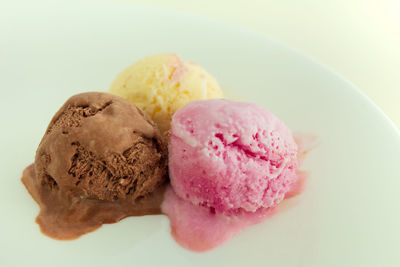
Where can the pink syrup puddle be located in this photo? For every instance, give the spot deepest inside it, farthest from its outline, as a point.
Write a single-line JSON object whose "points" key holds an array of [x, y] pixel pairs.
{"points": [[199, 229], [298, 187], [305, 143]]}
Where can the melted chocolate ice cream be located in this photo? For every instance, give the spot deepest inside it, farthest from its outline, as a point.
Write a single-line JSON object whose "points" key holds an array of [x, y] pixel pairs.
{"points": [[101, 159]]}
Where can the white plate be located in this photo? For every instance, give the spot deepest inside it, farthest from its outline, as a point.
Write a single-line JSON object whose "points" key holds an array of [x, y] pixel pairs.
{"points": [[348, 215]]}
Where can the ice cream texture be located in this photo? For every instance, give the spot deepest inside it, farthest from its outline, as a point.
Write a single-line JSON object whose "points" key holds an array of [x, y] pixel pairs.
{"points": [[231, 156], [107, 156], [101, 159], [163, 83], [231, 161]]}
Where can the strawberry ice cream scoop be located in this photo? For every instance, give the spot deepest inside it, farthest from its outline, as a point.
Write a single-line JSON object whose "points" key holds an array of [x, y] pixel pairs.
{"points": [[231, 157]]}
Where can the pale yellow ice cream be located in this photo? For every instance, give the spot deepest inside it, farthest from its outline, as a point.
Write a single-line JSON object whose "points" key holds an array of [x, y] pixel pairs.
{"points": [[161, 84]]}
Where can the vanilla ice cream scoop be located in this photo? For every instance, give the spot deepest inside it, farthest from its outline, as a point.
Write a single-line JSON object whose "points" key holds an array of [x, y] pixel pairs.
{"points": [[161, 84]]}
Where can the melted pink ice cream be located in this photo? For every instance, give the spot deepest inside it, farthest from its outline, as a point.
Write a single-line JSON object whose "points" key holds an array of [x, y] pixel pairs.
{"points": [[198, 229], [230, 164]]}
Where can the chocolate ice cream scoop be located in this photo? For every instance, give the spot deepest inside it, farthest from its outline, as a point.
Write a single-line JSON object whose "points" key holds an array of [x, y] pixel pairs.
{"points": [[100, 160]]}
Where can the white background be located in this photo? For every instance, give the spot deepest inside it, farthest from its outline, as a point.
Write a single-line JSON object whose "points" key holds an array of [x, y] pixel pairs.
{"points": [[347, 216], [360, 39]]}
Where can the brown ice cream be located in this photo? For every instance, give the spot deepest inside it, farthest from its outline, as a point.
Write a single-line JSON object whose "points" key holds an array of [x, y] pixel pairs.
{"points": [[101, 160]]}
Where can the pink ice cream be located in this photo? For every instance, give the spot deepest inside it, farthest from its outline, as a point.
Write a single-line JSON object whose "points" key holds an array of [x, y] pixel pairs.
{"points": [[231, 162]]}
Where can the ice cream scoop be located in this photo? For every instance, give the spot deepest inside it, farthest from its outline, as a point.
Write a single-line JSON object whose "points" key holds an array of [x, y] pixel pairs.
{"points": [[239, 155], [161, 84], [228, 160], [101, 159]]}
